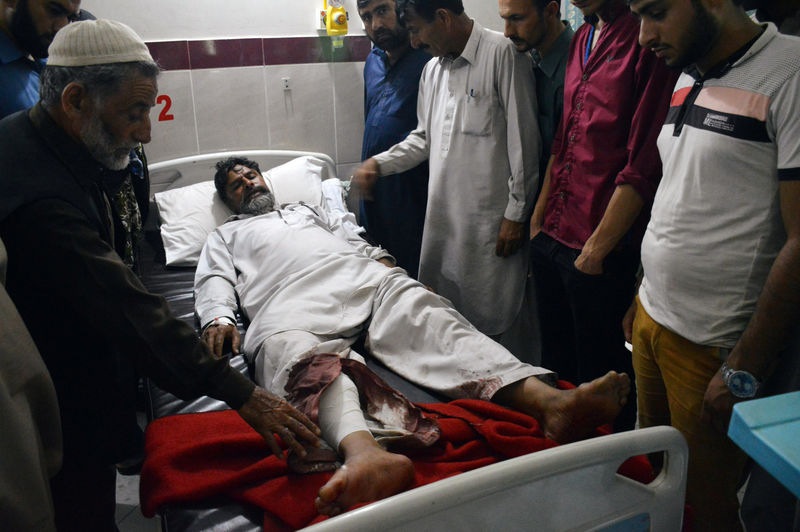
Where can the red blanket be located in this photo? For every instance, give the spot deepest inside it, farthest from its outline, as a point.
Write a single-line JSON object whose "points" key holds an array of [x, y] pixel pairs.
{"points": [[192, 457]]}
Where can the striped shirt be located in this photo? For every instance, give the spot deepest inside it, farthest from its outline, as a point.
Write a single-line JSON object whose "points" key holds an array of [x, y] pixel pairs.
{"points": [[716, 227]]}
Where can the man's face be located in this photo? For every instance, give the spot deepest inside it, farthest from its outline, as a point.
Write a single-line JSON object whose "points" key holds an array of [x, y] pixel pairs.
{"points": [[682, 32], [380, 23], [246, 191], [589, 7], [429, 36], [116, 124], [525, 24], [34, 23]]}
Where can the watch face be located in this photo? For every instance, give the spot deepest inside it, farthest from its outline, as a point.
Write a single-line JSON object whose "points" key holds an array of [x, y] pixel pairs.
{"points": [[742, 384]]}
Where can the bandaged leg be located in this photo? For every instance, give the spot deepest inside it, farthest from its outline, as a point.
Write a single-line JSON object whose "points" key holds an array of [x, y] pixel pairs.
{"points": [[340, 411], [369, 472]]}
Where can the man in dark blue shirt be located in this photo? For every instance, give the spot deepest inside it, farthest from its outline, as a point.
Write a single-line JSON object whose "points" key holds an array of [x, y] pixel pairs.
{"points": [[395, 213], [26, 29]]}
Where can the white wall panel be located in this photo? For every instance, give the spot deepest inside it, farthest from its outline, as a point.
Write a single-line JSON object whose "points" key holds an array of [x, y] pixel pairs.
{"points": [[168, 20]]}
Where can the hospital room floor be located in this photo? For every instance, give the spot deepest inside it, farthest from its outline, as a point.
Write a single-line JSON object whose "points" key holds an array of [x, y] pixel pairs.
{"points": [[129, 514]]}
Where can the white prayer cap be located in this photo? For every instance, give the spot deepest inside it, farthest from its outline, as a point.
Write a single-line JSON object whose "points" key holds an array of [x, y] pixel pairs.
{"points": [[97, 42]]}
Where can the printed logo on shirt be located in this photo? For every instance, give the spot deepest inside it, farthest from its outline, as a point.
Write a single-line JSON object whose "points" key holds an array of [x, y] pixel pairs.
{"points": [[717, 121], [728, 111], [731, 125]]}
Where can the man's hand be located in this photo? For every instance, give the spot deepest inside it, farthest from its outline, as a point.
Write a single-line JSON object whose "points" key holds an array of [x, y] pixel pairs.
{"points": [[536, 228], [718, 404], [589, 264], [215, 335], [627, 322], [510, 238], [268, 414], [386, 262], [365, 177]]}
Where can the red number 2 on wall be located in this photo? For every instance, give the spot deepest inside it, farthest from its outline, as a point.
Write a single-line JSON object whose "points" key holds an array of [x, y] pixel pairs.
{"points": [[165, 115]]}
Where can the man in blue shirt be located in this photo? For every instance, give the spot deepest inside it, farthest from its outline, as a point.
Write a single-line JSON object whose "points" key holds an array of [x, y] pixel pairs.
{"points": [[394, 215], [27, 28]]}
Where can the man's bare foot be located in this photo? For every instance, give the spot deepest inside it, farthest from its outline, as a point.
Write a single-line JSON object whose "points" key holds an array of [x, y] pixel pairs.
{"points": [[368, 474], [572, 415]]}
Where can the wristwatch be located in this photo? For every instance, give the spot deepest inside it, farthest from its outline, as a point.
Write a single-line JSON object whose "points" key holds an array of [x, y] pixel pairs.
{"points": [[741, 383]]}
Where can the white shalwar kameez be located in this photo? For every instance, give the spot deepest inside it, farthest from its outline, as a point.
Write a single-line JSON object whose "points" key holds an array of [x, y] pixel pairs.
{"points": [[477, 128], [311, 286]]}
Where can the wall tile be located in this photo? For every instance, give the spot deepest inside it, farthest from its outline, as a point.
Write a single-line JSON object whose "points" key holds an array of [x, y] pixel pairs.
{"points": [[226, 53], [358, 47], [301, 118], [348, 84], [298, 50], [174, 129], [231, 108], [293, 50], [170, 55]]}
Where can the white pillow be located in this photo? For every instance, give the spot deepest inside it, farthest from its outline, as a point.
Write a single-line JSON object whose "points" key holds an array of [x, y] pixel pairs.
{"points": [[298, 180], [188, 214]]}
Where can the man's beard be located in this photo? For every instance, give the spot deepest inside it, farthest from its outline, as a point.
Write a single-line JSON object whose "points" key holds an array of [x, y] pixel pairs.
{"points": [[24, 32], [391, 40], [103, 147], [259, 201], [705, 31]]}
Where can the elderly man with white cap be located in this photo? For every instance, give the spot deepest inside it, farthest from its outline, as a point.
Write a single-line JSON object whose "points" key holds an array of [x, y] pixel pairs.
{"points": [[91, 318]]}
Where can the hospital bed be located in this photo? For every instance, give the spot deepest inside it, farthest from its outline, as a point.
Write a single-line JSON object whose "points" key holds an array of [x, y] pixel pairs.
{"points": [[569, 487]]}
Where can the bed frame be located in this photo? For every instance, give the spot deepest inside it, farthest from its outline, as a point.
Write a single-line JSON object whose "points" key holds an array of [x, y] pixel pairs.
{"points": [[572, 487], [568, 488]]}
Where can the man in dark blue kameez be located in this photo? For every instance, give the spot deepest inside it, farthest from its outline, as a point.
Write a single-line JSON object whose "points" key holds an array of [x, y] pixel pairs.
{"points": [[394, 215]]}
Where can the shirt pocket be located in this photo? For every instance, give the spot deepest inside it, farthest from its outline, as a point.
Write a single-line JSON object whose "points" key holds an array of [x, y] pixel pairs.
{"points": [[477, 118]]}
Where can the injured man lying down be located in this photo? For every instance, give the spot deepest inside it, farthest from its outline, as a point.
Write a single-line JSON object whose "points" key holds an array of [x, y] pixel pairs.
{"points": [[310, 287]]}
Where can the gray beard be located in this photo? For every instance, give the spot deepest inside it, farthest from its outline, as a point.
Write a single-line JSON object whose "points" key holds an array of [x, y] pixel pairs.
{"points": [[103, 147], [263, 203]]}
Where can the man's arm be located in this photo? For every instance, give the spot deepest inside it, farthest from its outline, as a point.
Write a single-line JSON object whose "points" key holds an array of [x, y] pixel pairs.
{"points": [[405, 155], [215, 296], [775, 318], [623, 209], [517, 96], [537, 220], [638, 180], [337, 225], [109, 301]]}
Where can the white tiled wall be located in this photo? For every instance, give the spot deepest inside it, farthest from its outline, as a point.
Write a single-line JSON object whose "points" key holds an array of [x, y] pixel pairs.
{"points": [[230, 108], [248, 108], [178, 136], [349, 93], [301, 117]]}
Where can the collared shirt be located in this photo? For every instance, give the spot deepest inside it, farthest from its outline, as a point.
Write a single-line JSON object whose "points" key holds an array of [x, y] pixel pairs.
{"points": [[477, 127], [607, 136], [729, 140], [550, 72], [298, 267], [396, 214], [19, 77]]}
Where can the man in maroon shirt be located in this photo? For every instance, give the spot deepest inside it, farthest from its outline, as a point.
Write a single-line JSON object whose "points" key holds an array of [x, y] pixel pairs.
{"points": [[601, 179]]}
